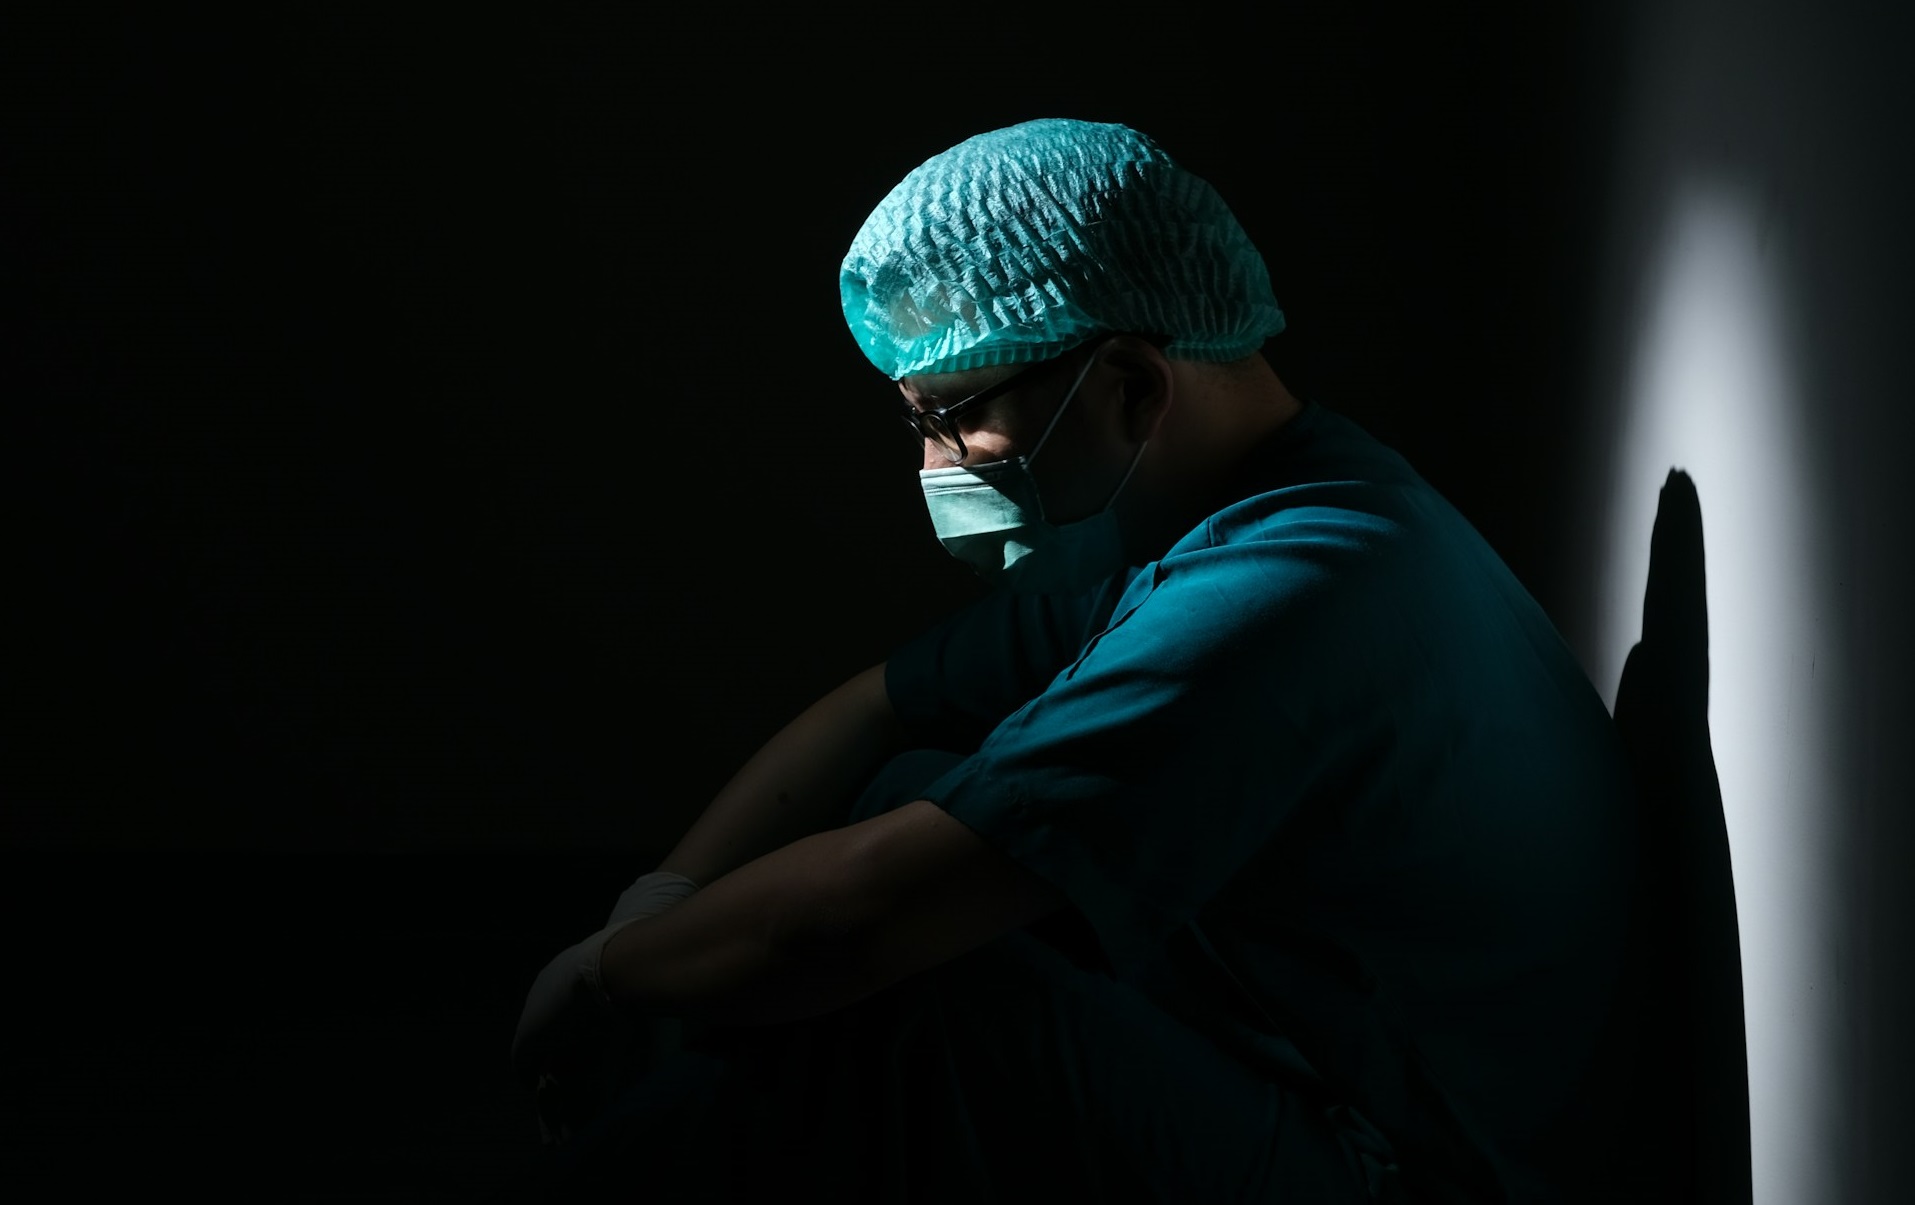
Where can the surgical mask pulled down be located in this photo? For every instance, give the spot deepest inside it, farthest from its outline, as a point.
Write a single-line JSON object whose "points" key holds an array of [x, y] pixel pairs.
{"points": [[990, 517]]}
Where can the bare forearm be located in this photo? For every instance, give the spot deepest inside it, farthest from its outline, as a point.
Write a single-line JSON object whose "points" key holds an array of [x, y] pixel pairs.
{"points": [[801, 782], [763, 944], [826, 921]]}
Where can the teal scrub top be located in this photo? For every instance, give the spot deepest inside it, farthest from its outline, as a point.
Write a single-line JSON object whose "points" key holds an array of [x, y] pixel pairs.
{"points": [[1326, 779]]}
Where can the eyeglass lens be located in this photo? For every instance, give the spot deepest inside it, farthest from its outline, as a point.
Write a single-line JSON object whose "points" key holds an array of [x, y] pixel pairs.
{"points": [[927, 424]]}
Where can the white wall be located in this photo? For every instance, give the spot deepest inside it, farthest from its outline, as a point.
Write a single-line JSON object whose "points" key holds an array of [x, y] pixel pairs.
{"points": [[1753, 330]]}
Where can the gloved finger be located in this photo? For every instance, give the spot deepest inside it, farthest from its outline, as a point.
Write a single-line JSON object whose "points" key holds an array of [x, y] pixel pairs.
{"points": [[567, 1104], [545, 1104]]}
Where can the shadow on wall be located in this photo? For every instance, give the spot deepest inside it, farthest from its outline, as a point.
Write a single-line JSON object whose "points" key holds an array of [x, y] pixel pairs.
{"points": [[1693, 1089]]}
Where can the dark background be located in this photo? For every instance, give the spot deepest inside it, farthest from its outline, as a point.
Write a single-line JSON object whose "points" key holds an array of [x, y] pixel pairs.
{"points": [[440, 460], [457, 439]]}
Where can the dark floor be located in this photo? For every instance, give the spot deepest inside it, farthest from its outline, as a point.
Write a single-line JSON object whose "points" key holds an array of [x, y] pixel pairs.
{"points": [[278, 1028]]}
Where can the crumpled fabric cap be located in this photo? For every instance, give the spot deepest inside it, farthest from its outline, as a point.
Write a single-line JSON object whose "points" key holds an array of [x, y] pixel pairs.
{"points": [[1021, 243]]}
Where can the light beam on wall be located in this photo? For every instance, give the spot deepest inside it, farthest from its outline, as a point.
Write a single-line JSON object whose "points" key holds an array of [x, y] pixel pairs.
{"points": [[1709, 390]]}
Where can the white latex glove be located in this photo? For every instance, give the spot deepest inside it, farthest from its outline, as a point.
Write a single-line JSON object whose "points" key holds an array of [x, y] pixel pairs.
{"points": [[654, 1039], [652, 894], [571, 1040]]}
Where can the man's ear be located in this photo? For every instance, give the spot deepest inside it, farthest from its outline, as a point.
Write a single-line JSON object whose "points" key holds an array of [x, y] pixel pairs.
{"points": [[1145, 382]]}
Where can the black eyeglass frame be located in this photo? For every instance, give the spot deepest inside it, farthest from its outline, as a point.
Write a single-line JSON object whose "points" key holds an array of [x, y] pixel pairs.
{"points": [[935, 424]]}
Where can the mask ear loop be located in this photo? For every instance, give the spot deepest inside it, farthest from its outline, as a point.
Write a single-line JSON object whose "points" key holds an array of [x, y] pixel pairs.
{"points": [[1062, 406], [1069, 397]]}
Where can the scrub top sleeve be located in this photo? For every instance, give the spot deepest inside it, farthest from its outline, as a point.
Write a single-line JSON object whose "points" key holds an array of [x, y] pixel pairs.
{"points": [[957, 681], [1178, 744]]}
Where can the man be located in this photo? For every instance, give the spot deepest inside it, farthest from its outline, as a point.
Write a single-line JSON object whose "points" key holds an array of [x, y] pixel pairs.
{"points": [[1257, 839]]}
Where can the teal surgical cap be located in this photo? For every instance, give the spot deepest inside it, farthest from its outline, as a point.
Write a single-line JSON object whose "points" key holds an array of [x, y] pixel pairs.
{"points": [[1019, 244]]}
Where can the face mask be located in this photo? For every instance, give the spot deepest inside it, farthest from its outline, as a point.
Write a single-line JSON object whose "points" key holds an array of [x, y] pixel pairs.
{"points": [[990, 517]]}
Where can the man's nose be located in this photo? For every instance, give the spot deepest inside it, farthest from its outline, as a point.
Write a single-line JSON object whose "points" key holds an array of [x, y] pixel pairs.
{"points": [[935, 456]]}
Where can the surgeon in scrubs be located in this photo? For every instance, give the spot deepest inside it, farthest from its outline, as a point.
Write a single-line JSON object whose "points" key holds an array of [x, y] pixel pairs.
{"points": [[1256, 838]]}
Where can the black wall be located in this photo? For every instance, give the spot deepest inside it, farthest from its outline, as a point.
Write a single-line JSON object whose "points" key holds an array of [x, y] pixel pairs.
{"points": [[450, 438]]}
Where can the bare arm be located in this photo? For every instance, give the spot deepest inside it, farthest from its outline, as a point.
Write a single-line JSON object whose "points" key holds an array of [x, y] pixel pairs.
{"points": [[826, 921], [801, 782]]}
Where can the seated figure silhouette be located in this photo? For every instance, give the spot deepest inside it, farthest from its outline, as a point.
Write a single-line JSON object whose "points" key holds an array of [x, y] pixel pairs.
{"points": [[1692, 1067]]}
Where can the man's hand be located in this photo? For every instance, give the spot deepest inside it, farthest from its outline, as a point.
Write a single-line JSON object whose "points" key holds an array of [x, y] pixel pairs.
{"points": [[571, 1044], [571, 1041]]}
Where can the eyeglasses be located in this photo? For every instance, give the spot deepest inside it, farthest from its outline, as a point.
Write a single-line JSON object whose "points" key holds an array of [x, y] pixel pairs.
{"points": [[938, 424]]}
